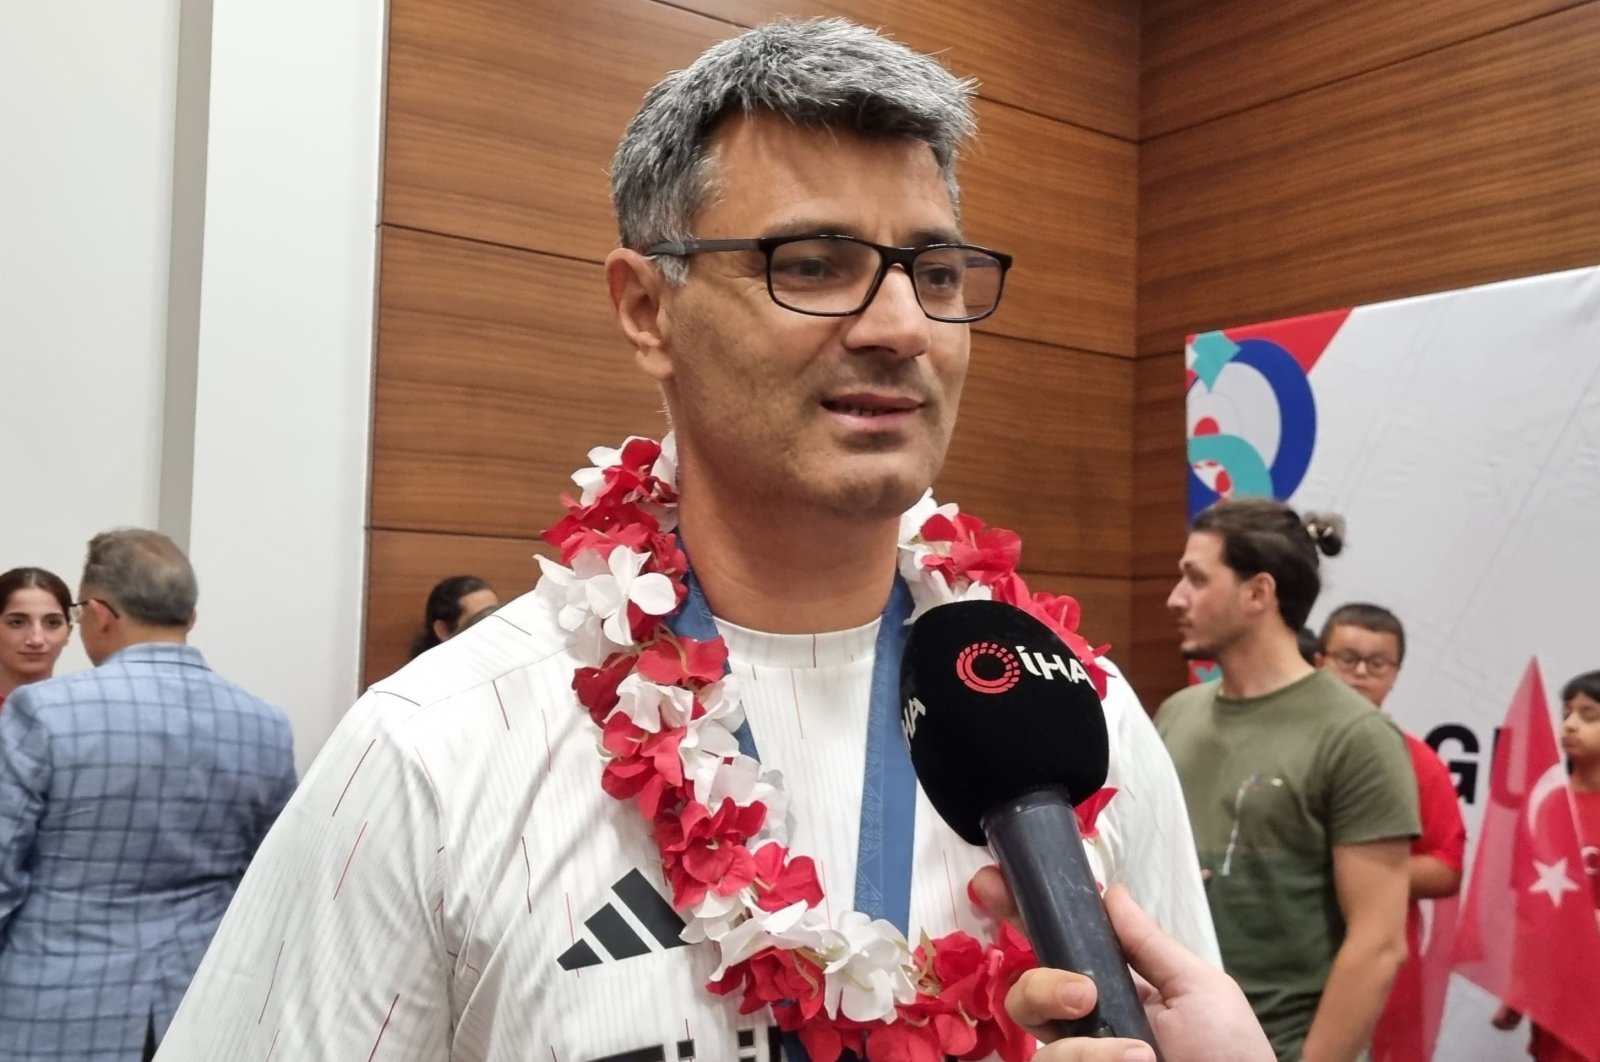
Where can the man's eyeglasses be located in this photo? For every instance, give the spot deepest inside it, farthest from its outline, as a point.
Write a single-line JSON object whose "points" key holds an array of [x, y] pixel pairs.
{"points": [[1377, 666], [75, 610], [837, 276]]}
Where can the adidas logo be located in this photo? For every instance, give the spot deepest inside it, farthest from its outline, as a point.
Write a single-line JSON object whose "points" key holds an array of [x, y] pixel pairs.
{"points": [[625, 927]]}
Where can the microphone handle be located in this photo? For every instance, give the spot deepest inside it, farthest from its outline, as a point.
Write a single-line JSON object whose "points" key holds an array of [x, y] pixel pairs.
{"points": [[1037, 842]]}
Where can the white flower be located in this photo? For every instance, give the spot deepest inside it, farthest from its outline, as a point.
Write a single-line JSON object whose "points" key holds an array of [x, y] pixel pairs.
{"points": [[930, 589], [651, 706], [608, 595], [795, 926], [866, 962], [912, 519], [562, 592], [666, 467]]}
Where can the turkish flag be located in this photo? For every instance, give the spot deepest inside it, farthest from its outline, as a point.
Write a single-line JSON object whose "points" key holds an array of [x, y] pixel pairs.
{"points": [[1528, 932]]}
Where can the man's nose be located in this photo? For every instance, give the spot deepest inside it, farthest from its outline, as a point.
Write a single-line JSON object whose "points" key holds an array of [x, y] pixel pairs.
{"points": [[893, 321]]}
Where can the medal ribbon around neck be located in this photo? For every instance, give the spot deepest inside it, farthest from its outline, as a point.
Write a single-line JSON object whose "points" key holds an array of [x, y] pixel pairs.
{"points": [[653, 677]]}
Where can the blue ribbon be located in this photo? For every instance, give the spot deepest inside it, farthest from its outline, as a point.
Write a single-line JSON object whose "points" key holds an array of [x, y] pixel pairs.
{"points": [[885, 842]]}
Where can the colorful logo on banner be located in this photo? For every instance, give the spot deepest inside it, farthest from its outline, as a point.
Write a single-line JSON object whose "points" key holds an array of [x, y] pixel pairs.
{"points": [[1252, 414]]}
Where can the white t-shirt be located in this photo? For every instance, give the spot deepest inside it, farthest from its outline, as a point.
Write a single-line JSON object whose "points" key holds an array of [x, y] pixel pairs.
{"points": [[451, 882]]}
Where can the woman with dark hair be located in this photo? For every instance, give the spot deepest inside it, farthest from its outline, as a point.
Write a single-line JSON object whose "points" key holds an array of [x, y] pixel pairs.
{"points": [[458, 598], [34, 626]]}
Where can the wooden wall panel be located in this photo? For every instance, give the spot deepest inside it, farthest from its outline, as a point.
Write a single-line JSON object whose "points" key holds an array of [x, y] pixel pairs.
{"points": [[1042, 447], [1202, 59], [403, 566], [1014, 49], [497, 371], [1160, 453], [1062, 201], [1158, 670], [1467, 165], [502, 116], [501, 130]]}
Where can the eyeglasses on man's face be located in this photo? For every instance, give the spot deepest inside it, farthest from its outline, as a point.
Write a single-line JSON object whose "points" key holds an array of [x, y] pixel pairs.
{"points": [[75, 610], [837, 276], [1348, 661]]}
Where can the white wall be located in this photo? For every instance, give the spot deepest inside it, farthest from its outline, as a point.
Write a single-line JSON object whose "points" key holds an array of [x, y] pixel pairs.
{"points": [[284, 383], [85, 195], [225, 399]]}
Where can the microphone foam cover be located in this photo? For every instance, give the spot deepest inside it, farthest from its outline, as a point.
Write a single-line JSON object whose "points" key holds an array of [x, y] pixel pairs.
{"points": [[994, 706]]}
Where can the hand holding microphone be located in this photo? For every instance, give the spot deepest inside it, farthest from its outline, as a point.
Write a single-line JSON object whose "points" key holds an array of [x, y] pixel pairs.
{"points": [[1006, 735], [1196, 1011]]}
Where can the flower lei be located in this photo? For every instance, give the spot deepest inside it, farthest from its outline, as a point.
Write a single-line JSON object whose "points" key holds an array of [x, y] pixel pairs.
{"points": [[668, 715]]}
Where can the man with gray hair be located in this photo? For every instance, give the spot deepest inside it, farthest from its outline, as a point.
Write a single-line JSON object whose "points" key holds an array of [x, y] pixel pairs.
{"points": [[132, 797], [466, 876]]}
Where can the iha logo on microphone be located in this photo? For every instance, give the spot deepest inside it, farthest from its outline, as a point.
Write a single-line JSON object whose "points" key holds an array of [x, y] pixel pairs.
{"points": [[1011, 664], [966, 668]]}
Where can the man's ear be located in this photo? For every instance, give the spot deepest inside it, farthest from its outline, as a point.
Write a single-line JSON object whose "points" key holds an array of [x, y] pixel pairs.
{"points": [[637, 293], [1261, 592]]}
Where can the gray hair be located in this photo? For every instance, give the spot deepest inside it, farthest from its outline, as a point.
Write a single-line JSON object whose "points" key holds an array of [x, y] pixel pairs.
{"points": [[144, 574], [824, 73]]}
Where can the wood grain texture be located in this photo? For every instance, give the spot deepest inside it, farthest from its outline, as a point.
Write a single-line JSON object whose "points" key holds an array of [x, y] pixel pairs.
{"points": [[1157, 670], [1063, 201], [1077, 62], [1204, 58], [1043, 446], [1160, 501], [503, 115], [403, 566], [1468, 165], [497, 370]]}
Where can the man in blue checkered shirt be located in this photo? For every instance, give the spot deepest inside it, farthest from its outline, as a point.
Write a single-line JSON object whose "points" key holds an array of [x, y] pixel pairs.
{"points": [[132, 797]]}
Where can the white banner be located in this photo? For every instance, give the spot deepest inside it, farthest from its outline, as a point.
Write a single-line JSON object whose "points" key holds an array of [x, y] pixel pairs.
{"points": [[1459, 434]]}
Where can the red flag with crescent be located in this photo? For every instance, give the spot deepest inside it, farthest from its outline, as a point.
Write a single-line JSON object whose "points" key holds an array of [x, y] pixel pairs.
{"points": [[1528, 933]]}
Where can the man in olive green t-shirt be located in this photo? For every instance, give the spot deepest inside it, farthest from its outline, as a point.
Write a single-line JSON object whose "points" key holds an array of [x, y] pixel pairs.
{"points": [[1301, 797]]}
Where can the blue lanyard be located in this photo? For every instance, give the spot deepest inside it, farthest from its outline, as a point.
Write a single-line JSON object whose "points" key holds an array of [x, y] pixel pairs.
{"points": [[886, 839]]}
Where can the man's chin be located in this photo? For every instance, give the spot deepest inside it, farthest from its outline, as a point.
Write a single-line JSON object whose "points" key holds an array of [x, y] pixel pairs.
{"points": [[876, 487], [1194, 651]]}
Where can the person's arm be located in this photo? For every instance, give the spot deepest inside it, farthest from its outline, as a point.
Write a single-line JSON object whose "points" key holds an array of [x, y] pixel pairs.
{"points": [[335, 939], [1436, 859], [1197, 1012], [1431, 877], [25, 770], [1371, 884]]}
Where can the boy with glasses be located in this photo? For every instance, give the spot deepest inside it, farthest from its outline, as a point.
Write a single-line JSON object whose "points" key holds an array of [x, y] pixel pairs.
{"points": [[1364, 645]]}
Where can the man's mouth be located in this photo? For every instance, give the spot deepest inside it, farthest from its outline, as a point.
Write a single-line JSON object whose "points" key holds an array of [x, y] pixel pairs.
{"points": [[870, 404]]}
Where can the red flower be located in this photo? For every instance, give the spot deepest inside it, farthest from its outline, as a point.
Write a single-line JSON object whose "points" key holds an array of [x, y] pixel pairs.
{"points": [[790, 982], [704, 851], [781, 881], [982, 555], [903, 1041], [1088, 811], [1058, 610], [596, 687], [674, 661], [601, 526], [643, 764]]}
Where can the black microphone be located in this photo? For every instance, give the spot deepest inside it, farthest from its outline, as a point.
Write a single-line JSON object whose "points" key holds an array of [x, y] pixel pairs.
{"points": [[1006, 735]]}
